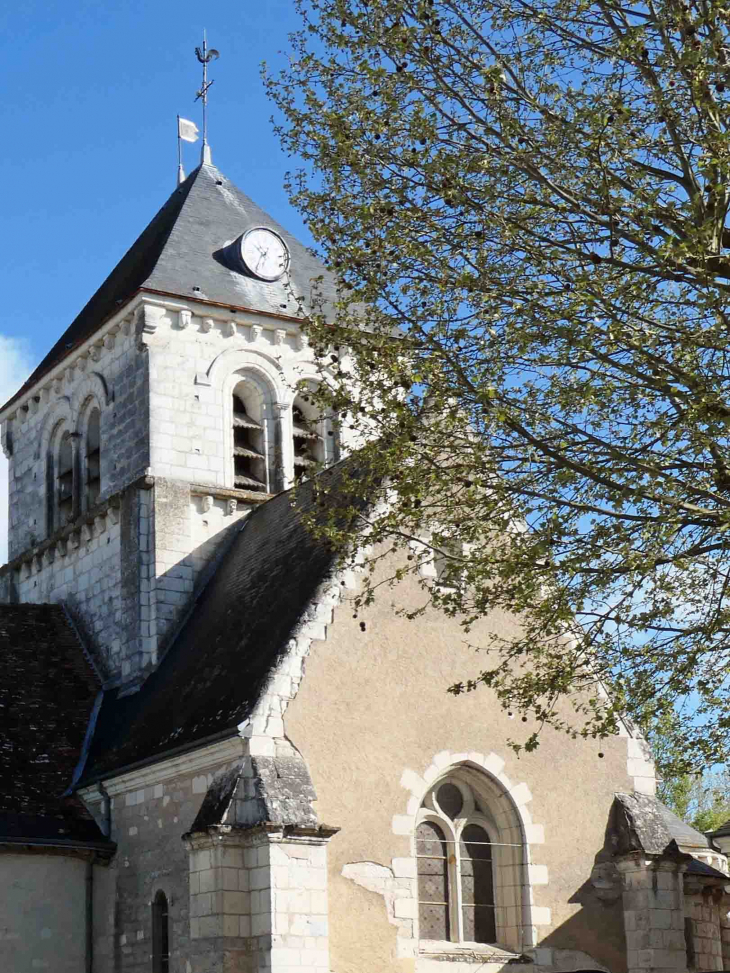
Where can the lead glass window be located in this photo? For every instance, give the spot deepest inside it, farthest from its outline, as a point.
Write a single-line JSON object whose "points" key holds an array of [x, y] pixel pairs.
{"points": [[454, 846]]}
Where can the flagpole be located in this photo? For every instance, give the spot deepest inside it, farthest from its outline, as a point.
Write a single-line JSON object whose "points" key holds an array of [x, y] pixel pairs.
{"points": [[180, 170]]}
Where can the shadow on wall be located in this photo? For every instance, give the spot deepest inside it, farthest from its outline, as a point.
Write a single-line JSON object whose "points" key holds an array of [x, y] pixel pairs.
{"points": [[598, 927], [181, 581]]}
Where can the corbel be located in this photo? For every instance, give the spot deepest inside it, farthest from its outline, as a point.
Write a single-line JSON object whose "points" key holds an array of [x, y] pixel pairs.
{"points": [[206, 325], [184, 318]]}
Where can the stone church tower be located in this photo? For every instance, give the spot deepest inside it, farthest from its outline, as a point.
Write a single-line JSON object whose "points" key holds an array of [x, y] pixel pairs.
{"points": [[172, 406], [207, 764]]}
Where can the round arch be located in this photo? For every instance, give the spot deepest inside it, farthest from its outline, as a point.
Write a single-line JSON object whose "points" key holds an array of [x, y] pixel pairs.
{"points": [[94, 385], [252, 361], [60, 410]]}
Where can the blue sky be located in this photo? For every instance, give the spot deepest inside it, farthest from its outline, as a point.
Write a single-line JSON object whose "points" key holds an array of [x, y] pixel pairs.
{"points": [[90, 95]]}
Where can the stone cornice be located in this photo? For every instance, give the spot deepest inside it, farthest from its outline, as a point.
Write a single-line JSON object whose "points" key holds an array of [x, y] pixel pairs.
{"points": [[157, 772], [152, 305], [57, 543]]}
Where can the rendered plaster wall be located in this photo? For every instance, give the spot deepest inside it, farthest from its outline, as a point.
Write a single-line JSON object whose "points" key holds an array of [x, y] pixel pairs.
{"points": [[371, 715], [114, 372], [42, 913]]}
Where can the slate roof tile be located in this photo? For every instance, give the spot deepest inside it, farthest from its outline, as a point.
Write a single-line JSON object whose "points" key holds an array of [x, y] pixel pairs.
{"points": [[181, 249], [213, 673], [47, 694]]}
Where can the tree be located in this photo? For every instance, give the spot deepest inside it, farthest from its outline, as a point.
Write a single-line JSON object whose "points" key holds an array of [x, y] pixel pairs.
{"points": [[702, 800], [530, 198]]}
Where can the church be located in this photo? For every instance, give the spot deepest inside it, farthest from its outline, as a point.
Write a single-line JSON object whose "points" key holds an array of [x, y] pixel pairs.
{"points": [[209, 765]]}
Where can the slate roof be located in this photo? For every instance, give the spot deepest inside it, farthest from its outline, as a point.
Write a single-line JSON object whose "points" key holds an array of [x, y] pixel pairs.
{"points": [[722, 831], [214, 671], [642, 823], [181, 249], [47, 696]]}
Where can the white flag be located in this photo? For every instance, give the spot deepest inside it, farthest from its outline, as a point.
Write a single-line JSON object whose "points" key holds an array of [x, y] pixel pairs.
{"points": [[187, 130]]}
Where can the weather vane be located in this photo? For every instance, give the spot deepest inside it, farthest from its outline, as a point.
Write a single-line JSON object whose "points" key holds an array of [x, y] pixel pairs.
{"points": [[187, 131], [205, 56]]}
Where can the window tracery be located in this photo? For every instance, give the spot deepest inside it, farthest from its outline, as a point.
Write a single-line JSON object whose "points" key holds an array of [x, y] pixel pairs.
{"points": [[454, 852]]}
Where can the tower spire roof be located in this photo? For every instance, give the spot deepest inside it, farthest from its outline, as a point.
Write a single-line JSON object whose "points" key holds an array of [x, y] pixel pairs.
{"points": [[181, 253]]}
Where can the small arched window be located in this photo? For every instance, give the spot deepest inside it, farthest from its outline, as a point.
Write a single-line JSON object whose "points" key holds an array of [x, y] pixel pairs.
{"points": [[160, 934], [249, 448], [65, 480], [456, 894], [93, 459]]}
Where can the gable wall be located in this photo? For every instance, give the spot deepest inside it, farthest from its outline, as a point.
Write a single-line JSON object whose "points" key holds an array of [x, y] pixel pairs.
{"points": [[373, 718]]}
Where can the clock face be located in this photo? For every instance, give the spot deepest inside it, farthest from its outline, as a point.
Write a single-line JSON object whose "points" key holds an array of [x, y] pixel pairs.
{"points": [[264, 253]]}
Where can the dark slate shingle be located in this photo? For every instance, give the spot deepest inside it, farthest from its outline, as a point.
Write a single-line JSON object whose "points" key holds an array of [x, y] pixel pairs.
{"points": [[214, 672], [181, 250], [47, 695]]}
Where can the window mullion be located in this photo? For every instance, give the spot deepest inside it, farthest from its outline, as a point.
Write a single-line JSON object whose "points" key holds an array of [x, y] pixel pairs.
{"points": [[456, 897]]}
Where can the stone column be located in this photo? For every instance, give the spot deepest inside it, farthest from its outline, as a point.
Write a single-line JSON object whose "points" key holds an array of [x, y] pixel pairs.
{"points": [[258, 900], [288, 880], [220, 914], [653, 902]]}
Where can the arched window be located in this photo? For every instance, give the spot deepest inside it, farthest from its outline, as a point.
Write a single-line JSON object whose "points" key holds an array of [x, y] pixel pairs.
{"points": [[454, 845], [160, 934], [64, 480], [93, 459], [250, 469]]}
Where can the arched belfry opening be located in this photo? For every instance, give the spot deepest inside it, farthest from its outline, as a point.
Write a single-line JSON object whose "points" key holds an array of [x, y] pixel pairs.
{"points": [[93, 458], [65, 480], [250, 470], [312, 434]]}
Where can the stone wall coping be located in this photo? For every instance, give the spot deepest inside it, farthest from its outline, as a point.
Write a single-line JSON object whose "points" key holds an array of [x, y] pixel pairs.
{"points": [[228, 493], [272, 833], [161, 769]]}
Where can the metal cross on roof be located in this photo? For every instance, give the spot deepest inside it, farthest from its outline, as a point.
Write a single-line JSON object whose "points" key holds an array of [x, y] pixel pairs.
{"points": [[205, 56]]}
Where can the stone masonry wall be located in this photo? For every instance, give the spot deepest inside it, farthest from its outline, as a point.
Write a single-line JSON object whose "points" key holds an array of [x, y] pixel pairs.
{"points": [[703, 913], [653, 901], [258, 900], [82, 570], [114, 373], [148, 819]]}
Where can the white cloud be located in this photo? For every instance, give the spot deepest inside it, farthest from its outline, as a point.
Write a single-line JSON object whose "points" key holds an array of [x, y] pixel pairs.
{"points": [[15, 365]]}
